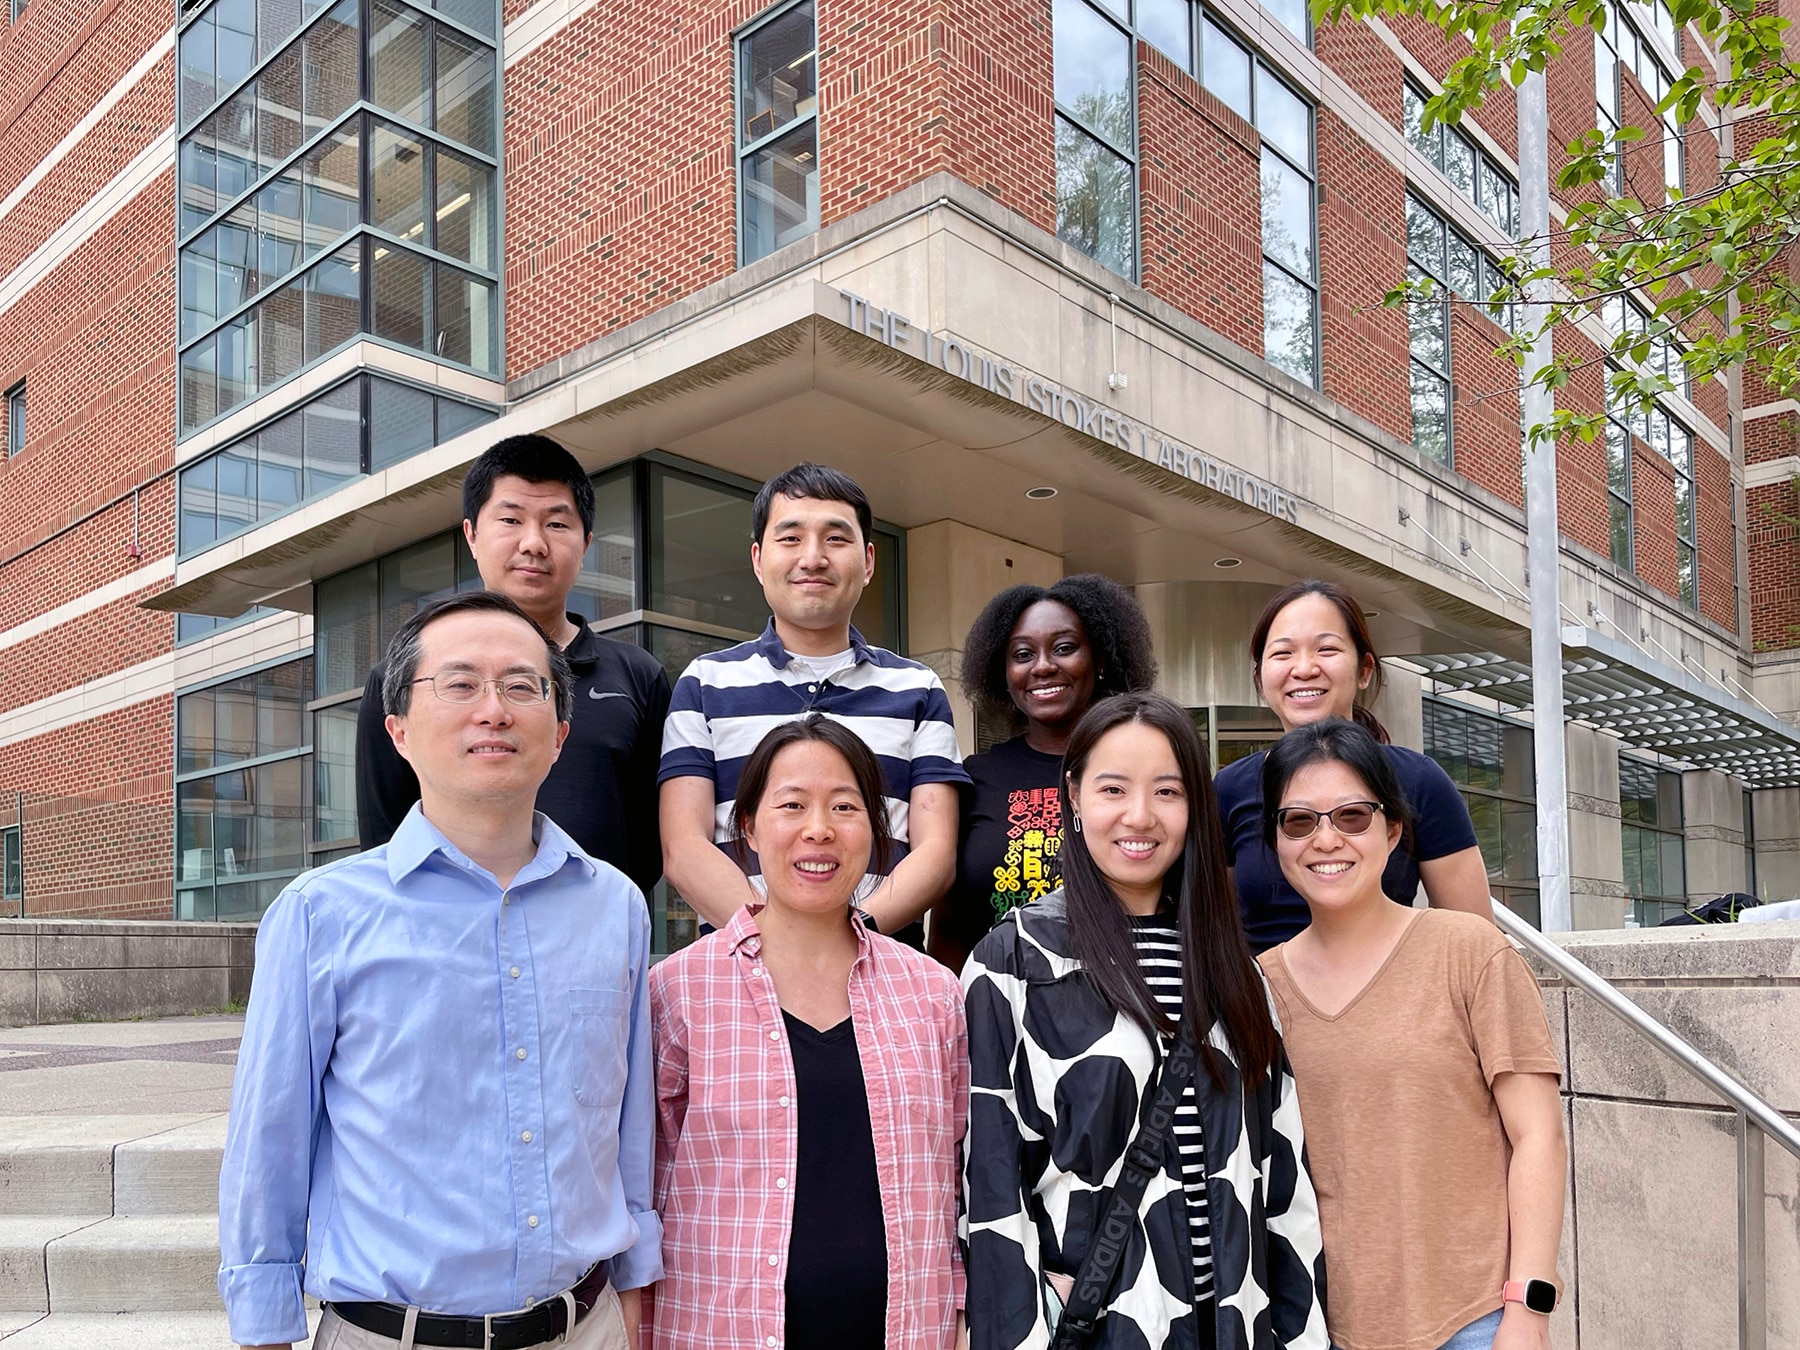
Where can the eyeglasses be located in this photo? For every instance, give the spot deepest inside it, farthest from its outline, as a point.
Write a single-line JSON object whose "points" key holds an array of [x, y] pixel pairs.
{"points": [[1297, 822], [456, 687]]}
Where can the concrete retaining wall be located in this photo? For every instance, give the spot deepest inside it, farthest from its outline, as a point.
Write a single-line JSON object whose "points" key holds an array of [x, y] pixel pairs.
{"points": [[94, 970], [1650, 1237]]}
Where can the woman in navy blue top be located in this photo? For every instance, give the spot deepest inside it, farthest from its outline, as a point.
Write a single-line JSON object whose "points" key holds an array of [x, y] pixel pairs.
{"points": [[1313, 659]]}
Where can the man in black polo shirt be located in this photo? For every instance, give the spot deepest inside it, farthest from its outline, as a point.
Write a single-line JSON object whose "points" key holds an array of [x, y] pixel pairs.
{"points": [[528, 514]]}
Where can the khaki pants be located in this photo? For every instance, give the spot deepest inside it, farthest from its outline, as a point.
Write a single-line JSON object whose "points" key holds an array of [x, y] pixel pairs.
{"points": [[601, 1329]]}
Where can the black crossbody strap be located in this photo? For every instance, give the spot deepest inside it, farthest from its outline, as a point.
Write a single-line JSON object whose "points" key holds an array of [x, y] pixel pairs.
{"points": [[1106, 1247]]}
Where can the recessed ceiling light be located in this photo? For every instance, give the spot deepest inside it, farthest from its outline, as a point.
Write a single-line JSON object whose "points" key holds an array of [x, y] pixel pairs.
{"points": [[1040, 494], [1371, 614], [1229, 562]]}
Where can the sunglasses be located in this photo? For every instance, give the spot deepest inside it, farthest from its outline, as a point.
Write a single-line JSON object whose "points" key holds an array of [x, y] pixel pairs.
{"points": [[1297, 822]]}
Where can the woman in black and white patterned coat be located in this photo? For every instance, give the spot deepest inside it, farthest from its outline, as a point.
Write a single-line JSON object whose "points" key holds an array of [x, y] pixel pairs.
{"points": [[1073, 1004]]}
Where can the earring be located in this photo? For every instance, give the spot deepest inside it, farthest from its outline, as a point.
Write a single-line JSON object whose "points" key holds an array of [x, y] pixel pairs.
{"points": [[1077, 824]]}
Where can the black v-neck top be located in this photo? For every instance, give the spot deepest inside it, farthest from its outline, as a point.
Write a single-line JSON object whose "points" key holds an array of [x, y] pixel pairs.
{"points": [[837, 1273]]}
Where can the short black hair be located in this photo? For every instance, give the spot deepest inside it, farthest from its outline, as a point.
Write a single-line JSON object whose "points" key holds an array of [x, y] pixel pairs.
{"points": [[404, 651], [1118, 632], [536, 459], [819, 483], [1335, 740]]}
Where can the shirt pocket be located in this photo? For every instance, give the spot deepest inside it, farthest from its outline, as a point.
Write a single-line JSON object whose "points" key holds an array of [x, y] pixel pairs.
{"points": [[599, 1036]]}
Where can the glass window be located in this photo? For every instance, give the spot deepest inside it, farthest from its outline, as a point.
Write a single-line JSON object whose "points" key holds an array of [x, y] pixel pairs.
{"points": [[780, 192], [199, 507], [233, 240], [397, 62], [12, 844], [476, 14], [1459, 163], [276, 21], [1652, 840], [1093, 71], [1168, 24], [1430, 414], [1412, 117], [235, 22], [333, 61], [1095, 199], [607, 586], [414, 576], [465, 89], [333, 438], [199, 167], [15, 419], [1283, 118], [1225, 67], [334, 774], [332, 180], [1288, 324], [397, 182], [281, 332], [237, 361], [334, 301], [278, 466], [465, 209], [1287, 215], [777, 74], [346, 628], [699, 553], [399, 295], [278, 227], [198, 86], [399, 422], [1292, 15], [279, 95], [199, 384], [1491, 760], [454, 417], [464, 314]]}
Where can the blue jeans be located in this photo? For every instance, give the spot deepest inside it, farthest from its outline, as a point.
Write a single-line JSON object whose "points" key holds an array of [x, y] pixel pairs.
{"points": [[1478, 1335]]}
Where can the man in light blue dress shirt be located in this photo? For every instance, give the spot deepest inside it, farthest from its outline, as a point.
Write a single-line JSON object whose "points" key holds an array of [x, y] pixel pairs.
{"points": [[442, 1125]]}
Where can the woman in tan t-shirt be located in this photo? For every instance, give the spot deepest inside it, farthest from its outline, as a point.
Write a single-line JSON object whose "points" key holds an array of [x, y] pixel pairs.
{"points": [[1425, 1072]]}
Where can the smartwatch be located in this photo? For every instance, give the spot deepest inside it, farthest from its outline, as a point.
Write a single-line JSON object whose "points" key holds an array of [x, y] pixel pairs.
{"points": [[1538, 1296]]}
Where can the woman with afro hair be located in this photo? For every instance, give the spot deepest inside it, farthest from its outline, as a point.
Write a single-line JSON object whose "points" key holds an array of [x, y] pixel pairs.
{"points": [[1039, 657]]}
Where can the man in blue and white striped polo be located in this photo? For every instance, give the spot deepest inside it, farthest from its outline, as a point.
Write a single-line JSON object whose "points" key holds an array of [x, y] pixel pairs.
{"points": [[814, 554]]}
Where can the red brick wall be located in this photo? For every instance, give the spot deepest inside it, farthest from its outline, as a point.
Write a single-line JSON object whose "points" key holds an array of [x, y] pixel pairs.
{"points": [[1487, 437], [1653, 500], [1362, 256], [1714, 537], [1581, 501], [1201, 208], [1772, 531], [1366, 63]]}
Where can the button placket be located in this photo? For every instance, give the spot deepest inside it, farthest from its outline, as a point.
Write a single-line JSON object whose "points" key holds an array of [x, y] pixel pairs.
{"points": [[525, 1093]]}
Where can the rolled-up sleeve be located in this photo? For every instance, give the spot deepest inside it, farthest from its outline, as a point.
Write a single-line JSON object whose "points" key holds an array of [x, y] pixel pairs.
{"points": [[265, 1180], [639, 1264]]}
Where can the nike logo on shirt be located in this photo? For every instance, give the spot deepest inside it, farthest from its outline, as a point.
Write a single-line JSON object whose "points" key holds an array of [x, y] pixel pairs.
{"points": [[596, 693]]}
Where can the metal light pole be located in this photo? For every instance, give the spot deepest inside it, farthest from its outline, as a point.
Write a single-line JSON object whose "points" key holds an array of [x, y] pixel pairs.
{"points": [[1536, 406]]}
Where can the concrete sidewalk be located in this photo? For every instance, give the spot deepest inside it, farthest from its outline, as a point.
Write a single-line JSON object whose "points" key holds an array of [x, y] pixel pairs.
{"points": [[110, 1140]]}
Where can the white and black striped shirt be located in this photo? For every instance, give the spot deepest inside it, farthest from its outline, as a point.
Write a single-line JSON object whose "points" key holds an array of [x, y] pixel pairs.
{"points": [[1159, 957]]}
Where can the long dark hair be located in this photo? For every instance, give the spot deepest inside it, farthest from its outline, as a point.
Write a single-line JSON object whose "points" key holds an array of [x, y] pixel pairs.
{"points": [[1219, 981], [1354, 624], [1333, 740], [1118, 635], [753, 782]]}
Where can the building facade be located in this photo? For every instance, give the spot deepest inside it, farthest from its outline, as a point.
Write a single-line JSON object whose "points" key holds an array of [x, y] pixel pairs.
{"points": [[1067, 285]]}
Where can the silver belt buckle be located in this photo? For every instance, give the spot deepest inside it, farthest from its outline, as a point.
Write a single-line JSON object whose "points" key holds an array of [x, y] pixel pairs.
{"points": [[487, 1332]]}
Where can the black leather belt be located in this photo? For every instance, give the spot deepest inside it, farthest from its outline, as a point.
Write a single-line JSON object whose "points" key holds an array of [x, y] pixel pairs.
{"points": [[511, 1331]]}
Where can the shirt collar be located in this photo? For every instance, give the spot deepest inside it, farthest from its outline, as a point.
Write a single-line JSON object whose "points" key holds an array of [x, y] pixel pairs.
{"points": [[584, 647], [417, 839], [769, 645], [743, 934]]}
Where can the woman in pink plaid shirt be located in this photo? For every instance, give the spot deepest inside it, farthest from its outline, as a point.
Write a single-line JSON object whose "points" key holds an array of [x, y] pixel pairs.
{"points": [[812, 1089]]}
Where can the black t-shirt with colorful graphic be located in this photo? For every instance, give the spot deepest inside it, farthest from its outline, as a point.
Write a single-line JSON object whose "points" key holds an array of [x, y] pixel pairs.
{"points": [[1010, 837]]}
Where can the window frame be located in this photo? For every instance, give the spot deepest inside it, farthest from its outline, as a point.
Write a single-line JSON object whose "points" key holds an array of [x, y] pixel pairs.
{"points": [[743, 149], [16, 420], [1129, 154], [1653, 909], [12, 858], [1483, 165], [1499, 884]]}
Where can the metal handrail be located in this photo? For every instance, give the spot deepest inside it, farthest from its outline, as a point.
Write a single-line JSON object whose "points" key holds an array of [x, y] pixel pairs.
{"points": [[1756, 1119]]}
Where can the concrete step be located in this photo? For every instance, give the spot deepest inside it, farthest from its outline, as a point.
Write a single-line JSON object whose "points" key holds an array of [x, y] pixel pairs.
{"points": [[175, 1172], [65, 1164], [145, 1264], [125, 1331], [24, 1287]]}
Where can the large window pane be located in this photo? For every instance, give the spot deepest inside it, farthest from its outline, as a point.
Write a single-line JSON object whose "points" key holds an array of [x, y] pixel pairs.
{"points": [[1428, 329], [199, 384], [1618, 522], [454, 417], [608, 583], [780, 192], [1283, 118], [1464, 269], [347, 629], [1424, 236], [281, 330], [334, 773], [399, 297], [333, 189], [233, 130], [1169, 24], [237, 362], [197, 84], [1430, 414], [236, 27], [199, 285], [278, 227], [333, 438], [333, 301], [699, 561], [412, 577], [465, 90], [1288, 324], [1093, 70], [199, 508], [1287, 214], [276, 21], [235, 240], [280, 94], [1291, 14], [397, 183], [476, 14], [194, 725], [777, 74], [1459, 163], [333, 66], [1412, 117], [1094, 199], [237, 487], [278, 466], [465, 319], [465, 209], [199, 179], [399, 422], [397, 64], [1225, 68]]}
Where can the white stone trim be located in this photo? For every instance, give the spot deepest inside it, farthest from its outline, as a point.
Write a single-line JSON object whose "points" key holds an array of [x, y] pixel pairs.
{"points": [[1765, 472], [108, 101], [117, 589], [539, 24], [1775, 409], [153, 160]]}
